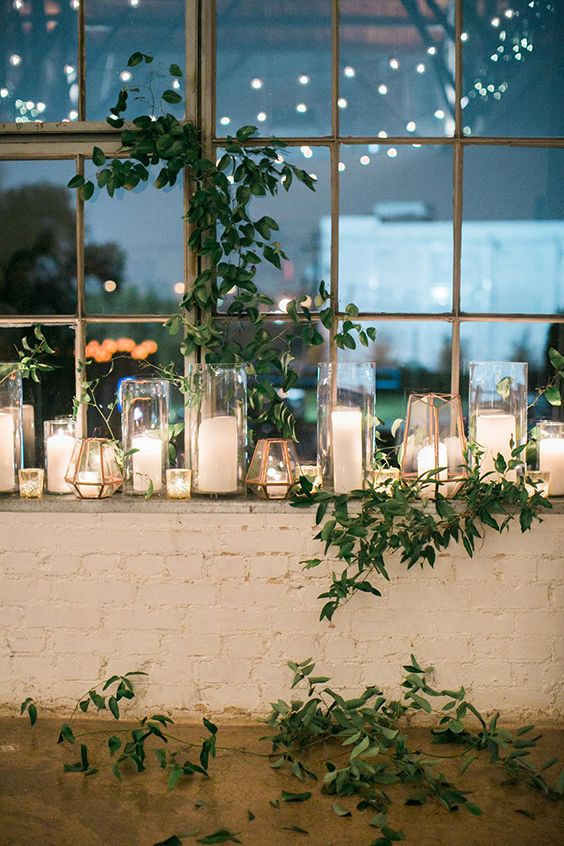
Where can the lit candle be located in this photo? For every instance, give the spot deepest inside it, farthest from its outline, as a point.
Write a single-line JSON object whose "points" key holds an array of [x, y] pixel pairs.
{"points": [[494, 433], [58, 449], [91, 481], [552, 460], [455, 458], [217, 455], [426, 463], [7, 464], [346, 431], [147, 463]]}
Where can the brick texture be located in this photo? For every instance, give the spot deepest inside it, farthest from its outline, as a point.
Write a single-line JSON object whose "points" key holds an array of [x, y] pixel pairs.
{"points": [[211, 606]]}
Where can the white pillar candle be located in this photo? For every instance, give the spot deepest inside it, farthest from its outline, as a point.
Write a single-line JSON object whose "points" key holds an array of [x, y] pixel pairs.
{"points": [[217, 455], [494, 433], [7, 449], [552, 459], [147, 463], [93, 480], [426, 463], [59, 449], [346, 436], [455, 458]]}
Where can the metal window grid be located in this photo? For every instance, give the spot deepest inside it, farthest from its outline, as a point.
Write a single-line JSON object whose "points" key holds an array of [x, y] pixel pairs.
{"points": [[75, 141]]}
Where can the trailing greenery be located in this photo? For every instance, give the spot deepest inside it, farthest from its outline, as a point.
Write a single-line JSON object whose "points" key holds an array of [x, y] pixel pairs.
{"points": [[395, 519], [32, 360], [222, 315]]}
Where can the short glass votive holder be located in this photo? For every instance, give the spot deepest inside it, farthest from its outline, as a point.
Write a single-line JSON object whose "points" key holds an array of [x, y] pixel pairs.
{"points": [[32, 480], [541, 480], [179, 483]]}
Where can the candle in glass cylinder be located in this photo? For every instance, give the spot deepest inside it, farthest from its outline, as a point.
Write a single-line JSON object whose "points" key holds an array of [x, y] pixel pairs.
{"points": [[58, 452], [217, 455], [147, 463], [494, 433], [346, 431], [7, 465], [551, 459]]}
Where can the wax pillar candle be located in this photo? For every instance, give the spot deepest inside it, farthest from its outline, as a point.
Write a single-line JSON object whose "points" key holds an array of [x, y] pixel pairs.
{"points": [[7, 465], [551, 459], [147, 463], [426, 461], [217, 455], [58, 451], [346, 431], [494, 433], [455, 458]]}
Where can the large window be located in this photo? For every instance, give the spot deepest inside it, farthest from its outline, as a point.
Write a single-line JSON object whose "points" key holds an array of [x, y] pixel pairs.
{"points": [[435, 131]]}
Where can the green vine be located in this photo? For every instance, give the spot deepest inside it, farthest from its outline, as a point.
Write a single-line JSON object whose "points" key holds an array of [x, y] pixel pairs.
{"points": [[32, 359], [382, 522], [231, 243]]}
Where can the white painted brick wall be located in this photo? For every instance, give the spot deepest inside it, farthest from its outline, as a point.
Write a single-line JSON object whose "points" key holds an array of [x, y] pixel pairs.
{"points": [[212, 605]]}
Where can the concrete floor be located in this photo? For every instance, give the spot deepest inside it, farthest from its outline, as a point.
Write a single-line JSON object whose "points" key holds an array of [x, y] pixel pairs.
{"points": [[42, 806]]}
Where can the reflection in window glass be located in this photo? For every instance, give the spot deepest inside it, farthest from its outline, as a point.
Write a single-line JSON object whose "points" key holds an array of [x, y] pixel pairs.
{"points": [[395, 229], [53, 395], [117, 28], [513, 230], [37, 238], [515, 341], [134, 253], [397, 68], [274, 67], [513, 68], [409, 357], [39, 61], [116, 351], [300, 213]]}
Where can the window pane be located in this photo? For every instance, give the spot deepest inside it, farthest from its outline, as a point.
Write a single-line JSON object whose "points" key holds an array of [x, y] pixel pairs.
{"points": [[410, 356], [301, 215], [117, 28], [134, 253], [513, 230], [397, 68], [274, 66], [119, 350], [37, 238], [513, 68], [39, 60], [53, 395], [513, 341], [395, 229]]}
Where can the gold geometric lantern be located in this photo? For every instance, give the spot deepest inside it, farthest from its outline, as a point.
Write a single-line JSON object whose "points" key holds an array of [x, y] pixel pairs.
{"points": [[434, 443], [93, 471], [274, 468]]}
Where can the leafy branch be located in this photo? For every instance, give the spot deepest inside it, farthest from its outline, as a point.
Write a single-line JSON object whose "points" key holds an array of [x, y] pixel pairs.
{"points": [[366, 526], [231, 242], [32, 358]]}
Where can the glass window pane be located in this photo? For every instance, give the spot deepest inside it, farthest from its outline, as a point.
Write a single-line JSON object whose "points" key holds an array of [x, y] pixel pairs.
{"points": [[513, 68], [301, 215], [39, 57], [116, 351], [53, 395], [395, 228], [37, 238], [134, 252], [274, 67], [117, 28], [513, 230], [397, 68], [515, 341]]}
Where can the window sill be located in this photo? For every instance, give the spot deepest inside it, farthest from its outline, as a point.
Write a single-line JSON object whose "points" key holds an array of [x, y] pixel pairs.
{"points": [[119, 504]]}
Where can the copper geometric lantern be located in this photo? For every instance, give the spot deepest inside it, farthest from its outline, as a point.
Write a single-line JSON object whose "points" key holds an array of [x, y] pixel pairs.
{"points": [[93, 471], [274, 468]]}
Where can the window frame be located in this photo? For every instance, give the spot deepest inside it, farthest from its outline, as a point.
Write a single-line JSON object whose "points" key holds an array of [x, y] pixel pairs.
{"points": [[74, 140]]}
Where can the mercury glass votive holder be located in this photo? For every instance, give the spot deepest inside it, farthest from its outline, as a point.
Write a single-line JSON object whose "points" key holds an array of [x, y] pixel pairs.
{"points": [[179, 483], [32, 480]]}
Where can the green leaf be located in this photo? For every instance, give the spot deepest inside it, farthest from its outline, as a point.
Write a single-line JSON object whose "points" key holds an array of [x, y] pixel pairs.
{"points": [[552, 395], [223, 835], [295, 797], [175, 70], [474, 809], [86, 190], [114, 707], [250, 816], [170, 96], [134, 60], [295, 828], [98, 157], [503, 387], [556, 359], [340, 811], [114, 743], [76, 181]]}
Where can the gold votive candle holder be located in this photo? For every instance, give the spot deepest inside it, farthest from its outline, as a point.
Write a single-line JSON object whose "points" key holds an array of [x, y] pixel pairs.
{"points": [[32, 480], [179, 483]]}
